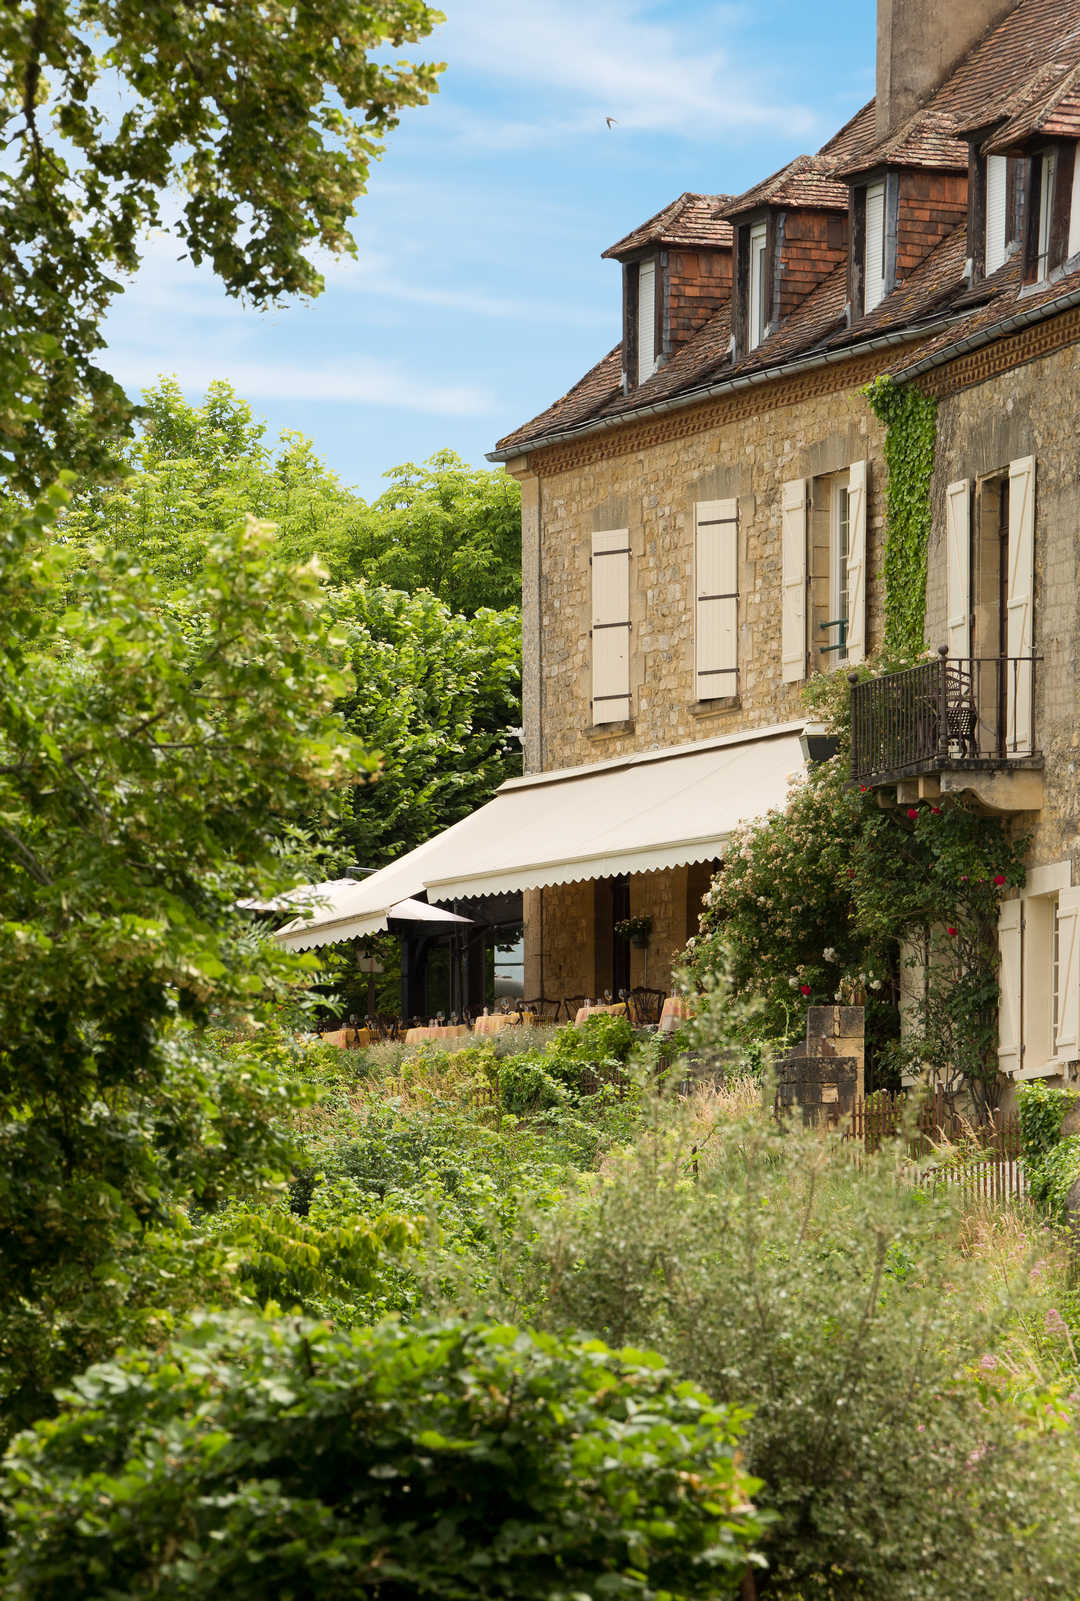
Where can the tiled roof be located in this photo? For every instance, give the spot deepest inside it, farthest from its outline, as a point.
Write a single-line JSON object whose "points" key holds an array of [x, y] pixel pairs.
{"points": [[1051, 112], [995, 313], [805, 181], [934, 283], [1034, 33], [691, 220], [926, 139]]}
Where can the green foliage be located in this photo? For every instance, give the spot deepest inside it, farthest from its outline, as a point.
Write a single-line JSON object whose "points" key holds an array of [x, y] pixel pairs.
{"points": [[444, 1460], [910, 418], [196, 470], [436, 695], [261, 121], [1051, 1163], [1042, 1111], [811, 903], [907, 1368], [150, 776]]}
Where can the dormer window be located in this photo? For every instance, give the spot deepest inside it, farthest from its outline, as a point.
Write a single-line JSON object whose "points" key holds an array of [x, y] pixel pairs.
{"points": [[874, 275], [997, 229], [646, 320], [757, 303]]}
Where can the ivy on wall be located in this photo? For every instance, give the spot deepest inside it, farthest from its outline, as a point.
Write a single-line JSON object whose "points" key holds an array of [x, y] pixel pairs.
{"points": [[910, 419]]}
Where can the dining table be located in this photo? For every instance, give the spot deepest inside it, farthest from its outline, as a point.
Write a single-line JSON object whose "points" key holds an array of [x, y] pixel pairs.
{"points": [[615, 1009], [436, 1031], [495, 1022], [349, 1039]]}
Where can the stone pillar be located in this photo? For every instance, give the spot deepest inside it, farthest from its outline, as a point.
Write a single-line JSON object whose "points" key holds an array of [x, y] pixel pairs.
{"points": [[825, 1076]]}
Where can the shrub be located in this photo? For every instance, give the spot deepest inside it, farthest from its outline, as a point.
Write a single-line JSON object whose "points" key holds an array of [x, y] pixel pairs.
{"points": [[253, 1459], [839, 1304]]}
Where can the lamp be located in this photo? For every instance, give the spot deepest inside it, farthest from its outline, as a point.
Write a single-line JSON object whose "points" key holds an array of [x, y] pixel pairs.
{"points": [[817, 743]]}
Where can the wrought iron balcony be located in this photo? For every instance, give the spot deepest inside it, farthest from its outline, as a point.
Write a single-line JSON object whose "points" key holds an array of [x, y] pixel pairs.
{"points": [[949, 715]]}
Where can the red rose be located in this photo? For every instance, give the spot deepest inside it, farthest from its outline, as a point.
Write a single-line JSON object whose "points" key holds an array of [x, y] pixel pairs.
{"points": [[950, 931], [999, 879], [804, 989], [936, 810], [913, 812]]}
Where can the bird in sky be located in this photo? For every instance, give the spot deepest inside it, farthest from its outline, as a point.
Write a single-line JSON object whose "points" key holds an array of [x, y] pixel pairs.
{"points": [[611, 121]]}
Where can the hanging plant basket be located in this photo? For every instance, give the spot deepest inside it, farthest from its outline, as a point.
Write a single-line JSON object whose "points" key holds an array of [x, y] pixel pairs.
{"points": [[637, 930]]}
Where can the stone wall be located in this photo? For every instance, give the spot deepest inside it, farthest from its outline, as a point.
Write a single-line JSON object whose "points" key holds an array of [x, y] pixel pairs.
{"points": [[567, 952], [1029, 411], [652, 491], [825, 1076]]}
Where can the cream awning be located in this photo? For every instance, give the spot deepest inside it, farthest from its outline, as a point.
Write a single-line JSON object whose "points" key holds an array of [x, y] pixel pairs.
{"points": [[634, 814]]}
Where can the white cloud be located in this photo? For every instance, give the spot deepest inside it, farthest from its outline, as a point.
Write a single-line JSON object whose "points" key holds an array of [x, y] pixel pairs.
{"points": [[619, 59], [356, 381]]}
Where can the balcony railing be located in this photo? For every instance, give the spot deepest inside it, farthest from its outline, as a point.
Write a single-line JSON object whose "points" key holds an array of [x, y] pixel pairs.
{"points": [[950, 712]]}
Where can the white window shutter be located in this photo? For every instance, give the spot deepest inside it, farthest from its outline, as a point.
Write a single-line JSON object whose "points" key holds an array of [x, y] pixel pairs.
{"points": [[1010, 978], [793, 555], [611, 625], [1067, 1038], [1074, 210], [997, 174], [716, 643], [958, 567], [646, 321], [856, 562], [874, 247], [1020, 598]]}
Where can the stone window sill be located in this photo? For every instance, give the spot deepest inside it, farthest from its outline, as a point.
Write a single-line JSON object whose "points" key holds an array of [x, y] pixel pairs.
{"points": [[609, 730], [722, 703]]}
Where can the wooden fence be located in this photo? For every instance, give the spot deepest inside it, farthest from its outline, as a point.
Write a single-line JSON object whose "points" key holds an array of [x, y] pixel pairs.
{"points": [[981, 1159]]}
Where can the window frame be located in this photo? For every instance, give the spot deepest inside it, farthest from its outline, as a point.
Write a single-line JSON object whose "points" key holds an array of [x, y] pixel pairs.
{"points": [[757, 296]]}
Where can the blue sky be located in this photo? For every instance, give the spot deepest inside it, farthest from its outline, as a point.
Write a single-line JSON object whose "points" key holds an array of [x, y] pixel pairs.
{"points": [[478, 295]]}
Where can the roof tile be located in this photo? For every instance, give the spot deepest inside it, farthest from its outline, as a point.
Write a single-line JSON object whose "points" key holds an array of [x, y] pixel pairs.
{"points": [[690, 220]]}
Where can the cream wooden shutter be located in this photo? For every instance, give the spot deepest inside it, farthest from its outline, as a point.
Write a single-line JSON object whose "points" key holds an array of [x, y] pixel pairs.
{"points": [[793, 554], [646, 321], [958, 567], [1067, 1034], [611, 625], [856, 562], [716, 553], [997, 174], [1020, 602], [1010, 975]]}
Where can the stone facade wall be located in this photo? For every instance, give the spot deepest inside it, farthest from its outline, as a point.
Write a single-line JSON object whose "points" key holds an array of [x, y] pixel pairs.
{"points": [[567, 952], [825, 1076], [652, 491], [1029, 411]]}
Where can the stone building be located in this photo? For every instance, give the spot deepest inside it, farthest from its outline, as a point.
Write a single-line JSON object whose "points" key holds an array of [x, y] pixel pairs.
{"points": [[703, 519]]}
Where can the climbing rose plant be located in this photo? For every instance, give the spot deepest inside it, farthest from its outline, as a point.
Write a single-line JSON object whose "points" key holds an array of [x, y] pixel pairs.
{"points": [[812, 905]]}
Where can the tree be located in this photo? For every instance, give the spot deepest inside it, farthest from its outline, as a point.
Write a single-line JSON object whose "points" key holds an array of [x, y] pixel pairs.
{"points": [[157, 747], [438, 696], [265, 118], [444, 526], [452, 529], [447, 1460]]}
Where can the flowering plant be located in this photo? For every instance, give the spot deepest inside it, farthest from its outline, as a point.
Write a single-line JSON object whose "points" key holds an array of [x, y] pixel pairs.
{"points": [[634, 928], [814, 903]]}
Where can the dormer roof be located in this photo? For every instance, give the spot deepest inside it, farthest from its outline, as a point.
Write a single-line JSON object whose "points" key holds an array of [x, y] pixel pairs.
{"points": [[692, 221], [1051, 112], [926, 139], [804, 182]]}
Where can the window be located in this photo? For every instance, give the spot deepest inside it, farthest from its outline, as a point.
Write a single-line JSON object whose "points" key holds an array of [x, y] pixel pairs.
{"points": [[839, 534], [646, 320], [757, 310], [1047, 165], [837, 566], [997, 184], [874, 247], [1074, 208]]}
